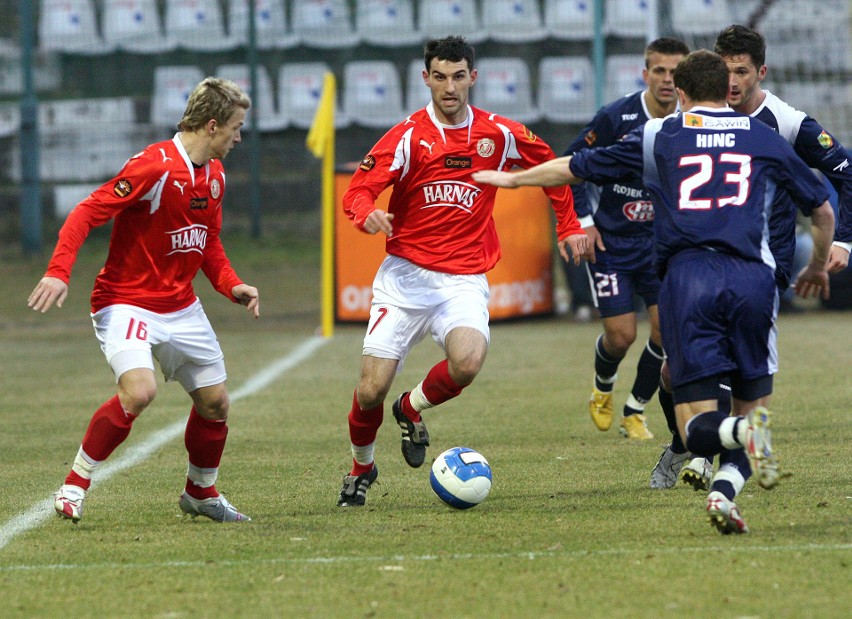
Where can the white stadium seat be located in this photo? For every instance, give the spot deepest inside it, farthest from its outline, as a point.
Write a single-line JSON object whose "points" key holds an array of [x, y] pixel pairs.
{"points": [[197, 25], [172, 87], [513, 21], [438, 18], [417, 93], [70, 26], [569, 20], [372, 95], [696, 17], [504, 87], [135, 26], [323, 23], [268, 118], [623, 75], [270, 23], [300, 87], [386, 23], [627, 18], [566, 91]]}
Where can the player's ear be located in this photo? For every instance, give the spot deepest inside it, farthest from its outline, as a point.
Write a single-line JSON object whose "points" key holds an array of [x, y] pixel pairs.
{"points": [[473, 75], [211, 126]]}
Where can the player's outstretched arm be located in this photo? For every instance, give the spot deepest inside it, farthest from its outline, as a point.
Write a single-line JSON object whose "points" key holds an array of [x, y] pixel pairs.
{"points": [[814, 277], [48, 291], [247, 296], [548, 174], [581, 247], [379, 221]]}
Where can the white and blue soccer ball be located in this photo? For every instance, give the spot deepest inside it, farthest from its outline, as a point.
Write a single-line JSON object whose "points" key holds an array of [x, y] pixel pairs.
{"points": [[461, 477]]}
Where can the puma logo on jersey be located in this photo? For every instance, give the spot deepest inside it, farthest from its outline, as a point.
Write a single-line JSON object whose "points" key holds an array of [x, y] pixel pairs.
{"points": [[427, 145], [165, 158], [180, 186]]}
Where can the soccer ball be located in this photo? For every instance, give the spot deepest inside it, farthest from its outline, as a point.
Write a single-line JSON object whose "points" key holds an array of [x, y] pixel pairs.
{"points": [[461, 477]]}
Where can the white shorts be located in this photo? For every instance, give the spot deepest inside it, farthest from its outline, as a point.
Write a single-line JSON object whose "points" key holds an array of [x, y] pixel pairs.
{"points": [[183, 342], [409, 302]]}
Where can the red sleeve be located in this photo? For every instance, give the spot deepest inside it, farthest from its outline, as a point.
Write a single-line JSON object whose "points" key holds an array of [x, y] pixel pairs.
{"points": [[533, 151], [373, 176], [134, 180], [216, 265]]}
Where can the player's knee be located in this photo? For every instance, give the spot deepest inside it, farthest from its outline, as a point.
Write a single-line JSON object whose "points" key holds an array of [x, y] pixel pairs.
{"points": [[136, 398], [214, 407], [464, 371], [618, 341], [371, 394]]}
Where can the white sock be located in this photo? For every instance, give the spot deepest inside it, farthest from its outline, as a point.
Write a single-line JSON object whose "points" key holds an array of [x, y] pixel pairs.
{"points": [[730, 473], [84, 465], [418, 400], [203, 478], [726, 434], [363, 454], [635, 404]]}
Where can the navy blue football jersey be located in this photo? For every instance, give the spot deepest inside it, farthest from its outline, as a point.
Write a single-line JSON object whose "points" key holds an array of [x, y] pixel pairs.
{"points": [[820, 150], [623, 208], [712, 175]]}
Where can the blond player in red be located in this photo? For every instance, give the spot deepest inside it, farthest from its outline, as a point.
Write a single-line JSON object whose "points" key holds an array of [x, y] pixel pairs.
{"points": [[441, 241], [166, 204]]}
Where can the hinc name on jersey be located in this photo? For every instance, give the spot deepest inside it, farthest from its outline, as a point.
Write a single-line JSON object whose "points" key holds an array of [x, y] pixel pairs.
{"points": [[450, 193]]}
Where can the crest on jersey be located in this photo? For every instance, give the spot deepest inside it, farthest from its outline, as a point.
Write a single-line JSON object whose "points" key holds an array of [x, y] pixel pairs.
{"points": [[825, 140], [122, 188], [215, 189], [367, 163], [485, 147]]}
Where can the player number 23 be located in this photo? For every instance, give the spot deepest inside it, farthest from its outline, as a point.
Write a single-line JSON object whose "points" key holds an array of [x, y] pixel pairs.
{"points": [[738, 178]]}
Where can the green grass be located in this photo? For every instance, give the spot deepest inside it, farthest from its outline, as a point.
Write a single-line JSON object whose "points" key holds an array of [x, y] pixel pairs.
{"points": [[569, 530]]}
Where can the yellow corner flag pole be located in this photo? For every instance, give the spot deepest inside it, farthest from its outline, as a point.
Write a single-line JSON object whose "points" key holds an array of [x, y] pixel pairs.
{"points": [[320, 142]]}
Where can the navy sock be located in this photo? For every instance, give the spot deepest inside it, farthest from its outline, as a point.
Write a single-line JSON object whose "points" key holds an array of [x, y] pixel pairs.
{"points": [[703, 436], [667, 404], [725, 487], [647, 373], [605, 365]]}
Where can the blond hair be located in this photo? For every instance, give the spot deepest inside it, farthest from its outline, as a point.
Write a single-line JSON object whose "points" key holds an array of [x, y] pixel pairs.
{"points": [[214, 98]]}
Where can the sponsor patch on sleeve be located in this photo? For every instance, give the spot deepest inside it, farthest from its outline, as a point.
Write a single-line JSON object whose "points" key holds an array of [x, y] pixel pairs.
{"points": [[591, 138], [122, 188], [367, 163], [825, 140], [532, 137]]}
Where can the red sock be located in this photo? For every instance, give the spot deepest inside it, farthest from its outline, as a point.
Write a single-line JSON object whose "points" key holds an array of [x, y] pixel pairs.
{"points": [[108, 428], [364, 424], [360, 469], [438, 387], [205, 442], [75, 480]]}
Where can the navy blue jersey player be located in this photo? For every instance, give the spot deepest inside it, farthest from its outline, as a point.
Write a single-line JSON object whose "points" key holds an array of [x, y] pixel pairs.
{"points": [[618, 217], [712, 175]]}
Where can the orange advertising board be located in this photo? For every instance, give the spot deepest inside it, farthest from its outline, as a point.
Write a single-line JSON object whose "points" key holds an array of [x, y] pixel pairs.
{"points": [[521, 283]]}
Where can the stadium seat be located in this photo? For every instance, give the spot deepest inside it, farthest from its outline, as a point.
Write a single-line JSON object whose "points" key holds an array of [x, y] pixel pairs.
{"points": [[10, 119], [627, 18], [299, 89], [437, 18], [372, 95], [70, 26], [569, 20], [270, 22], [64, 114], [513, 21], [386, 23], [172, 86], [566, 92], [623, 75], [803, 35], [197, 25], [135, 26], [323, 23], [697, 17], [504, 87], [268, 118], [417, 94]]}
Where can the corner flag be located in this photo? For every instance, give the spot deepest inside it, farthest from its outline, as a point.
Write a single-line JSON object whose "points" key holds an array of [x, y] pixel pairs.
{"points": [[320, 142]]}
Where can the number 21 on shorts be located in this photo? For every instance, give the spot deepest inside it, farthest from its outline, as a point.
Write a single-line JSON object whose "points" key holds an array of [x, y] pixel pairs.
{"points": [[606, 284]]}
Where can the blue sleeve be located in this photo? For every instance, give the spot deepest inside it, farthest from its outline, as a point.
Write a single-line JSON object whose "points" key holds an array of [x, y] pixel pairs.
{"points": [[599, 132], [617, 162], [821, 150]]}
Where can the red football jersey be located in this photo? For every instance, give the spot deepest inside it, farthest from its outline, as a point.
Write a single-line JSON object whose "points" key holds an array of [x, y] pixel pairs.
{"points": [[168, 216], [442, 219]]}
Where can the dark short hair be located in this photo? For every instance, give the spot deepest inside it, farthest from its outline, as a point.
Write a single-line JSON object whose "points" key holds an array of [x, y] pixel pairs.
{"points": [[738, 40], [452, 48], [667, 46], [703, 76]]}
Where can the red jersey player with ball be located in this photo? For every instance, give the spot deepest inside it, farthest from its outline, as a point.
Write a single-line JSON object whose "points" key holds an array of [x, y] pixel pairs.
{"points": [[166, 204], [441, 241]]}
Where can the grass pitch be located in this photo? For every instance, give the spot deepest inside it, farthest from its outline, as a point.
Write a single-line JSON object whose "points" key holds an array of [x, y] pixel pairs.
{"points": [[570, 529]]}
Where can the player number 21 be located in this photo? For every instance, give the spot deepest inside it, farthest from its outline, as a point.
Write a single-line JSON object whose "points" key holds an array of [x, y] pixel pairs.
{"points": [[138, 329], [740, 179], [606, 284]]}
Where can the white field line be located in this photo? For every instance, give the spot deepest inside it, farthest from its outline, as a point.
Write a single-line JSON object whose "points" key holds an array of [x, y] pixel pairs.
{"points": [[393, 562], [41, 511]]}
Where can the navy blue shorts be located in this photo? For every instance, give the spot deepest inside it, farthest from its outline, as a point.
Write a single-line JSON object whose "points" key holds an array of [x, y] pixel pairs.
{"points": [[717, 315], [624, 270]]}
